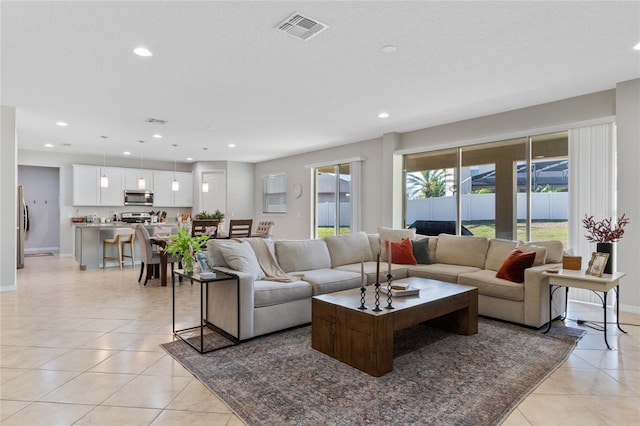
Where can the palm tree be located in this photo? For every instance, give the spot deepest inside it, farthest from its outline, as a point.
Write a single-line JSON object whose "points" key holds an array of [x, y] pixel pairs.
{"points": [[427, 183]]}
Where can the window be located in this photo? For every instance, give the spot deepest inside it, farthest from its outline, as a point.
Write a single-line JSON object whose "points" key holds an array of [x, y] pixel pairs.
{"points": [[333, 200], [274, 192], [511, 189]]}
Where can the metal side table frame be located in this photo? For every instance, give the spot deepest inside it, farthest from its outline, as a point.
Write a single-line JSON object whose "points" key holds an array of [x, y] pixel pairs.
{"points": [[580, 279], [204, 323]]}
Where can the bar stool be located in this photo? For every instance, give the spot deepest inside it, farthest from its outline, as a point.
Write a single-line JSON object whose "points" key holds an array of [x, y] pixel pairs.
{"points": [[121, 237]]}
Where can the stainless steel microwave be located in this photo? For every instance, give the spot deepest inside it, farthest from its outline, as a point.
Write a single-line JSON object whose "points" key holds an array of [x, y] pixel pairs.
{"points": [[138, 197]]}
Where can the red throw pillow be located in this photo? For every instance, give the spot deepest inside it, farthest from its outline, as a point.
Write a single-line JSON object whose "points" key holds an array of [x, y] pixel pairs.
{"points": [[402, 252], [513, 267]]}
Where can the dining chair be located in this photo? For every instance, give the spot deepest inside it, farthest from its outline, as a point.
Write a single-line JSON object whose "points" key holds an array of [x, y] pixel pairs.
{"points": [[240, 228], [264, 229], [121, 238], [200, 226], [148, 256]]}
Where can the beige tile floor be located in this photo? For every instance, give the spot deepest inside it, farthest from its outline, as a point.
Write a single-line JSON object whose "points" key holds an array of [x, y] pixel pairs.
{"points": [[81, 348]]}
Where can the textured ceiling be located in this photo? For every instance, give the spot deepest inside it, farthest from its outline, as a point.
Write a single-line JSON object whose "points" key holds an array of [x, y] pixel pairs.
{"points": [[222, 74]]}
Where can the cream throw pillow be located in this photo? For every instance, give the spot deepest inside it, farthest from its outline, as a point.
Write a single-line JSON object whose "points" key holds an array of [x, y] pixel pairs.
{"points": [[555, 250], [541, 252], [241, 257]]}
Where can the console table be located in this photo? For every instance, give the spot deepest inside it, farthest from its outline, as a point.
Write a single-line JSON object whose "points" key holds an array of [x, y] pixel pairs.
{"points": [[230, 340], [580, 279]]}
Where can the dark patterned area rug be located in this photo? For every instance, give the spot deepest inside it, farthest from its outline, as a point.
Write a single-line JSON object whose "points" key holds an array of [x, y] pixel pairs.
{"points": [[438, 378]]}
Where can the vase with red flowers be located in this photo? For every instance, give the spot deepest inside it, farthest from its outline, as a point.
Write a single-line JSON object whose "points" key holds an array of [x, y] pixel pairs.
{"points": [[604, 233]]}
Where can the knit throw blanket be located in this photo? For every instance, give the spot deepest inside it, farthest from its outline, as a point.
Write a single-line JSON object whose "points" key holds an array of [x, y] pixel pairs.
{"points": [[269, 264]]}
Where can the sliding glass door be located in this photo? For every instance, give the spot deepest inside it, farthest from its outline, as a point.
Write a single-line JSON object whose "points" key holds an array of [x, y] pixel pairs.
{"points": [[333, 200]]}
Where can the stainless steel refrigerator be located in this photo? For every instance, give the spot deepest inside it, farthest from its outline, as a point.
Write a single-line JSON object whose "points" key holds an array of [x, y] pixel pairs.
{"points": [[22, 222]]}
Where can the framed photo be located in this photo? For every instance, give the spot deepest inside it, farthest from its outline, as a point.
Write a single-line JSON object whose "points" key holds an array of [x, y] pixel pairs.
{"points": [[597, 263]]}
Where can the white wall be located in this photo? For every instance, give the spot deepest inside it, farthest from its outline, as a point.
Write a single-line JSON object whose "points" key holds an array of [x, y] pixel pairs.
{"points": [[240, 191], [296, 222], [8, 198], [628, 139]]}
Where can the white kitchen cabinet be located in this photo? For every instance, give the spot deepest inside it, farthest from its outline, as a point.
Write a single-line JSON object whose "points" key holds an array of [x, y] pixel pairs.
{"points": [[183, 197], [86, 185], [164, 196], [113, 195], [131, 177]]}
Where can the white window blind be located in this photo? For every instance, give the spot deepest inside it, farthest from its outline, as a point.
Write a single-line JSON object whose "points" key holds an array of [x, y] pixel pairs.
{"points": [[274, 191]]}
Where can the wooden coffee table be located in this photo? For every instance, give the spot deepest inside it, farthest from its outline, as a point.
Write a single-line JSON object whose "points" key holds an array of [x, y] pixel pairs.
{"points": [[364, 338]]}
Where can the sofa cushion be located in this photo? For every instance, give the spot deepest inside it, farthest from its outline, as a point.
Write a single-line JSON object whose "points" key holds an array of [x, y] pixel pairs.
{"points": [[489, 285], [214, 256], [302, 255], [241, 257], [395, 235], [555, 250], [462, 250], [514, 265], [349, 248], [402, 252], [421, 251], [440, 271], [498, 252], [540, 251], [267, 293], [330, 280]]}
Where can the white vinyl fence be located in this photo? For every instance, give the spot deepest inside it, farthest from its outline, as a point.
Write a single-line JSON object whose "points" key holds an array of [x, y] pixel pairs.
{"points": [[544, 206]]}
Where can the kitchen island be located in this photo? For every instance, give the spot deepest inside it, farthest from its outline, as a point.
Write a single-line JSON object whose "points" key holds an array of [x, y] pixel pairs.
{"points": [[88, 239]]}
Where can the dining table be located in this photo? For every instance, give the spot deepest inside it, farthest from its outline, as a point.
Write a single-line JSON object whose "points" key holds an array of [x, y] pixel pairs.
{"points": [[161, 241]]}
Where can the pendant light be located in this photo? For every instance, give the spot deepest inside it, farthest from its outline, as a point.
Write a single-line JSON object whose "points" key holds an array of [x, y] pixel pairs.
{"points": [[205, 185], [104, 180], [174, 185], [141, 183]]}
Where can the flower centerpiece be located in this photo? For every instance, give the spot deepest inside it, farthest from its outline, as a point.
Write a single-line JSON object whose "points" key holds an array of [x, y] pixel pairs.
{"points": [[185, 246], [605, 232]]}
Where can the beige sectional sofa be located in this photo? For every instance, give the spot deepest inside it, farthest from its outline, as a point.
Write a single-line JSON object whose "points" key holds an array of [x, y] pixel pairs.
{"points": [[333, 264]]}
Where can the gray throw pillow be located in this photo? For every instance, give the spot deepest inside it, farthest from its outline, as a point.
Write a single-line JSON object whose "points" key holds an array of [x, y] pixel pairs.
{"points": [[421, 251]]}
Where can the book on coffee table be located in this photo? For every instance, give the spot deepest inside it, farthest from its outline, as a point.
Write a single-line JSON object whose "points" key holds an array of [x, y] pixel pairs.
{"points": [[410, 291]]}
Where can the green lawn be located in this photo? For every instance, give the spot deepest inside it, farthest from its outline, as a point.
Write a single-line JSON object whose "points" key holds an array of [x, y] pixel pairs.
{"points": [[540, 230]]}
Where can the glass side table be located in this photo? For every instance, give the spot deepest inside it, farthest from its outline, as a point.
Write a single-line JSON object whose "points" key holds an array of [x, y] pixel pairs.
{"points": [[222, 338]]}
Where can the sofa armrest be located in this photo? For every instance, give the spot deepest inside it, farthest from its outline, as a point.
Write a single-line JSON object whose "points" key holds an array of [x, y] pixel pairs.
{"points": [[536, 295], [222, 304]]}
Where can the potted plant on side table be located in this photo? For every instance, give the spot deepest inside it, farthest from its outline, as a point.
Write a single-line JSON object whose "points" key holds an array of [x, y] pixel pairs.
{"points": [[184, 246], [604, 233]]}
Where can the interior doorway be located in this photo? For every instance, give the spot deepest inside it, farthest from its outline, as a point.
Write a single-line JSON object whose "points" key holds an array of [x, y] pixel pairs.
{"points": [[42, 198]]}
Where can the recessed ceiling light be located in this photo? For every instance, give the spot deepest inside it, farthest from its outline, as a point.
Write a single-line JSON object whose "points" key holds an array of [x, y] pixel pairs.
{"points": [[232, 145], [189, 159], [62, 124], [388, 49], [157, 136], [142, 51], [637, 46], [383, 115], [48, 145], [126, 153]]}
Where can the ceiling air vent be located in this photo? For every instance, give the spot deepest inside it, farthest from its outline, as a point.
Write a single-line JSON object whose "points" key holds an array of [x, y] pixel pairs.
{"points": [[155, 121], [301, 27]]}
